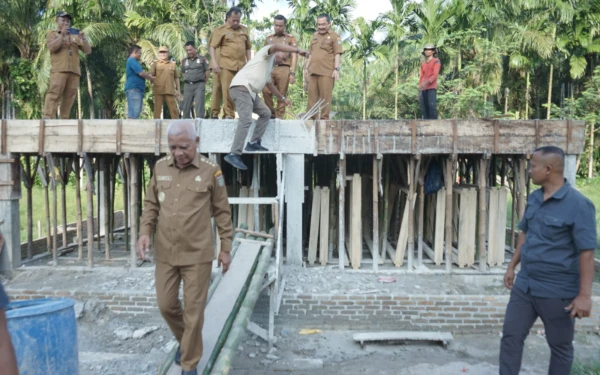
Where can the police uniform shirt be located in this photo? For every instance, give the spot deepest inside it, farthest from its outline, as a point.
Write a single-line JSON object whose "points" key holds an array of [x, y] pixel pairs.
{"points": [[66, 59], [194, 69], [179, 204], [323, 49], [166, 73], [233, 45], [285, 38], [255, 75]]}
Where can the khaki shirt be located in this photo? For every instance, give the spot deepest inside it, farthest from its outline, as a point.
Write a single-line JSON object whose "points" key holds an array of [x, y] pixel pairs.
{"points": [[233, 45], [323, 49], [166, 73], [194, 70], [287, 39], [61, 60], [255, 75], [179, 205]]}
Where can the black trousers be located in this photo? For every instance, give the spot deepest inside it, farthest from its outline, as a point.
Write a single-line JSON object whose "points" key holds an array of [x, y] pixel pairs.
{"points": [[429, 104], [522, 311]]}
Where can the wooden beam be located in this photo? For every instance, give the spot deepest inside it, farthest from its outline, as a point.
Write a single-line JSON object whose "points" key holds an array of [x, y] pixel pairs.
{"points": [[314, 225], [324, 231], [253, 233], [376, 214], [449, 178], [341, 211], [90, 211], [483, 256], [356, 222]]}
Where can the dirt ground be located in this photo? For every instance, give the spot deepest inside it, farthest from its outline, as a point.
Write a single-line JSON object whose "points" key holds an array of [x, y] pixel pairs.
{"points": [[106, 347]]}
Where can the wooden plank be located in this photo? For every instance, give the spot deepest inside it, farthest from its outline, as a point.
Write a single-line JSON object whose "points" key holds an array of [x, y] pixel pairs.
{"points": [[449, 177], [341, 213], [243, 208], [375, 212], [403, 336], [252, 200], [314, 225], [403, 236], [492, 225], [324, 232], [220, 306], [482, 217], [440, 209], [356, 222], [250, 211], [501, 223], [253, 233]]}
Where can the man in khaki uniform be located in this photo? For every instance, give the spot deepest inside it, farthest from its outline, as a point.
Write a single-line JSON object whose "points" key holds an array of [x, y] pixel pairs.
{"points": [[195, 75], [166, 84], [217, 95], [233, 41], [282, 75], [245, 87], [64, 44], [185, 191], [323, 65]]}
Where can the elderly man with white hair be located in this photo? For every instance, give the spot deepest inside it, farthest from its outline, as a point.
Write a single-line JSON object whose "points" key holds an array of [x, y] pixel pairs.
{"points": [[185, 192]]}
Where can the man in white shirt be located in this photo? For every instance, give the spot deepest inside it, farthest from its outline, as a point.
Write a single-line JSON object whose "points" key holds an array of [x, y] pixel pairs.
{"points": [[244, 90]]}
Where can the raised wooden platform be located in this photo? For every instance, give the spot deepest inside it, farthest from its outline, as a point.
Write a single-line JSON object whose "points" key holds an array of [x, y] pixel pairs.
{"points": [[298, 137]]}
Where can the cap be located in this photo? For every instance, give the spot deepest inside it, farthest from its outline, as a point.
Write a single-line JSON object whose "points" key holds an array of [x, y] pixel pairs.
{"points": [[429, 46], [62, 13], [163, 49]]}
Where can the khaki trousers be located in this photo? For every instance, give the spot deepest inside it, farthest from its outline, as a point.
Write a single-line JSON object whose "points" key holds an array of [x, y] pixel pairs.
{"points": [[62, 91], [320, 87], [280, 77], [246, 106], [216, 97], [226, 76], [186, 324], [159, 99]]}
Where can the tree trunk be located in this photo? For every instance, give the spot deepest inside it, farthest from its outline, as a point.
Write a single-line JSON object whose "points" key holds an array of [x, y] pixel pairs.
{"points": [[365, 90], [591, 156], [550, 79], [89, 85], [396, 87], [527, 98]]}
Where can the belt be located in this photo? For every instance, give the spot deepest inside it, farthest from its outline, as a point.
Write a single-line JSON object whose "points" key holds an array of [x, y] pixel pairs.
{"points": [[192, 82], [282, 65]]}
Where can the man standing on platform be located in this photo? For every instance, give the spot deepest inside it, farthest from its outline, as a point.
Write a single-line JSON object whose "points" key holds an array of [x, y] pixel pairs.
{"points": [[430, 69], [233, 41], [64, 45], [556, 251], [245, 87], [323, 67], [186, 190], [195, 75], [166, 84], [282, 75], [135, 83]]}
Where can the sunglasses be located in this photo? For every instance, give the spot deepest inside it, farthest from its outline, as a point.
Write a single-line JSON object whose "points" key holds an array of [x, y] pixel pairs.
{"points": [[429, 49]]}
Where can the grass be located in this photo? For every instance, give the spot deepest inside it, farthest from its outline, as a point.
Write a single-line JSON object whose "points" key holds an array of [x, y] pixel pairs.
{"points": [[39, 213], [588, 368]]}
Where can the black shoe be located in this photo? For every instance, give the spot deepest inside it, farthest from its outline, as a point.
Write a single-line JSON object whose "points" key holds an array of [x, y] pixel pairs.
{"points": [[178, 356], [236, 161], [256, 146], [191, 372]]}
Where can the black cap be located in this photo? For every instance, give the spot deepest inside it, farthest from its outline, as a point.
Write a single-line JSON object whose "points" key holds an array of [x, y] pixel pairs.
{"points": [[62, 13]]}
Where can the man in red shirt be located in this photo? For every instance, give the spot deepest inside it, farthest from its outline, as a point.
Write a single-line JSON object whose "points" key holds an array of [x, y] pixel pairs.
{"points": [[430, 69]]}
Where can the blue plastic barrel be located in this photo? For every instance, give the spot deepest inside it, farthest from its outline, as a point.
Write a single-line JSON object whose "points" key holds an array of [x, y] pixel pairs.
{"points": [[44, 334]]}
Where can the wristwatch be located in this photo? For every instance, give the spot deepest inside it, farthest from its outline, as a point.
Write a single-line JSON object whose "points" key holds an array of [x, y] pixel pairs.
{"points": [[338, 68], [292, 74], [282, 98]]}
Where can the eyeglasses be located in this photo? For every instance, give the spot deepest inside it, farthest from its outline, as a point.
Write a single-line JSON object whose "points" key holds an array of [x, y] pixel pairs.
{"points": [[429, 49]]}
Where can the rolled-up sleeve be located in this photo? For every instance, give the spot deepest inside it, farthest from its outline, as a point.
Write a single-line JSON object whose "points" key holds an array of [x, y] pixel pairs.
{"points": [[584, 229]]}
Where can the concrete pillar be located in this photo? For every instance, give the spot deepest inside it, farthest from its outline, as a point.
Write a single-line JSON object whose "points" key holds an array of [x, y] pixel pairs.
{"points": [[10, 193], [570, 169], [294, 197]]}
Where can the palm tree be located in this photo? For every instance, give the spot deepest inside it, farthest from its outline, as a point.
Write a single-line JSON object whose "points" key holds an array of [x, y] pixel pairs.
{"points": [[19, 19]]}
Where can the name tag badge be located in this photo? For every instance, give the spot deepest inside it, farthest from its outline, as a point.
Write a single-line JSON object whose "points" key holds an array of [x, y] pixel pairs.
{"points": [[164, 178]]}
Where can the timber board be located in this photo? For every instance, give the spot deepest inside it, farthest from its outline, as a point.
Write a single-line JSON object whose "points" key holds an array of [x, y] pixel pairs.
{"points": [[475, 136]]}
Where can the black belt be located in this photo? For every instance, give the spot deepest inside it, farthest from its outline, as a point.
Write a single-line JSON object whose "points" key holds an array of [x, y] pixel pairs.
{"points": [[192, 82]]}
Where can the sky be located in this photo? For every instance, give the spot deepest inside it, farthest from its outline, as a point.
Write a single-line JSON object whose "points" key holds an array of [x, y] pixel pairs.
{"points": [[369, 9]]}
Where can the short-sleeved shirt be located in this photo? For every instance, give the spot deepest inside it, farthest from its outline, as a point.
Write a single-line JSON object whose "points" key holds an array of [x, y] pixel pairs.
{"points": [[323, 49], [165, 73], [255, 75], [232, 44], [557, 230], [178, 207], [430, 71], [61, 60], [287, 39], [194, 69], [132, 75], [3, 298]]}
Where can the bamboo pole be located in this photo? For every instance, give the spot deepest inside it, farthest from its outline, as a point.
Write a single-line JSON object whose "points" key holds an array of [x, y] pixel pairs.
{"points": [[386, 215], [449, 182], [341, 216], [107, 213], [375, 214], [54, 209], [125, 175], [78, 207], [222, 364], [99, 188], [29, 187], [483, 214], [133, 207], [45, 182], [64, 176], [90, 214], [420, 225], [411, 212], [522, 187]]}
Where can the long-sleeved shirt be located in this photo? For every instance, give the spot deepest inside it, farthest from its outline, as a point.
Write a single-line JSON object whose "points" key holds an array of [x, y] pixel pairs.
{"points": [[429, 73]]}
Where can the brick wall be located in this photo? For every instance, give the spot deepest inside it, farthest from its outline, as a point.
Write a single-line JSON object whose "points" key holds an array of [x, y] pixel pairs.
{"points": [[455, 313]]}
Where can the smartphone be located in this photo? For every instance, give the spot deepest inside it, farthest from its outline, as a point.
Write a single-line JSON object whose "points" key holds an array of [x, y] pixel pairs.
{"points": [[73, 31]]}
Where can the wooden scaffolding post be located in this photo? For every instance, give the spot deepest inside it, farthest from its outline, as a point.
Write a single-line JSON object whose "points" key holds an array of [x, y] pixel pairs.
{"points": [[356, 222], [522, 186], [133, 207], [482, 214], [44, 177], [341, 216], [107, 206], [65, 171], [386, 214], [449, 182], [324, 230], [52, 168], [90, 209], [314, 225], [375, 214], [77, 166], [420, 225], [125, 179], [411, 212]]}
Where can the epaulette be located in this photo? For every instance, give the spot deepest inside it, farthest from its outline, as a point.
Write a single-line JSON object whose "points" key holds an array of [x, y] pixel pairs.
{"points": [[166, 158], [208, 161]]}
